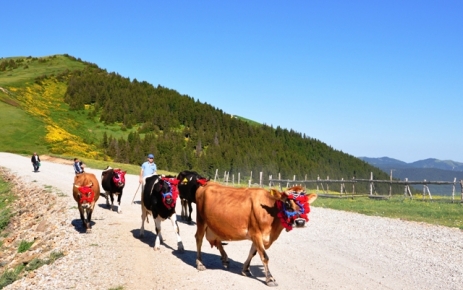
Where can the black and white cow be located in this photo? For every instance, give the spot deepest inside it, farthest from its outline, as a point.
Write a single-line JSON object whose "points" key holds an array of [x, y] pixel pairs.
{"points": [[189, 181], [159, 198], [113, 182]]}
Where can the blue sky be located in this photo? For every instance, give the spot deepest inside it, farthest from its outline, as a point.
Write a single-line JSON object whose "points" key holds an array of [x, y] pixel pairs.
{"points": [[369, 78]]}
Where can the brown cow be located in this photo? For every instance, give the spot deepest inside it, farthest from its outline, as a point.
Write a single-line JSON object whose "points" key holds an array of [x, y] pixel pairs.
{"points": [[86, 191], [231, 214]]}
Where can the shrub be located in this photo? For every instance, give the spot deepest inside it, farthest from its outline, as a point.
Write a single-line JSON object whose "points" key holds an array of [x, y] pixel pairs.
{"points": [[24, 246]]}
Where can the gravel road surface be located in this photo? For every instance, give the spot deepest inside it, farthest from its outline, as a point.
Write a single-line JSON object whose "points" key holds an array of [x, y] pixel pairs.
{"points": [[337, 250]]}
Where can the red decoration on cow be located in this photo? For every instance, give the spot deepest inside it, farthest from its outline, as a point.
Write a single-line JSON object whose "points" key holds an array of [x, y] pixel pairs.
{"points": [[287, 216], [170, 198], [87, 194]]}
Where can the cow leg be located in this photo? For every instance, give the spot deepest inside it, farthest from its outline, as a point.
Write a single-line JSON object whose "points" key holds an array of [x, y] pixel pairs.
{"points": [[191, 210], [257, 242], [107, 199], [173, 219], [157, 241], [223, 254], [89, 219], [119, 197], [112, 199], [200, 231], [144, 213], [183, 212], [246, 270], [82, 218]]}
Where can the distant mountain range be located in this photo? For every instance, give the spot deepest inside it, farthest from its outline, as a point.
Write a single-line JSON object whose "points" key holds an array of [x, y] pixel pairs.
{"points": [[430, 169], [391, 163]]}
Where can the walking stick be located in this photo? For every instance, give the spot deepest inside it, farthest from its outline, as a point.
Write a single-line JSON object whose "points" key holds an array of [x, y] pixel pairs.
{"points": [[136, 192]]}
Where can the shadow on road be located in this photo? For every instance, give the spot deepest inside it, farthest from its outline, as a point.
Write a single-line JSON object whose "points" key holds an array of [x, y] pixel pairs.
{"points": [[79, 226], [214, 262]]}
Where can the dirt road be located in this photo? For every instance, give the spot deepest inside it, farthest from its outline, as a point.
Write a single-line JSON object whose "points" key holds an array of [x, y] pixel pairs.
{"points": [[337, 250]]}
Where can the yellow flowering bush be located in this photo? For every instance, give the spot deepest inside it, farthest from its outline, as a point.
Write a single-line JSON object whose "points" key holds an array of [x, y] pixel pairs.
{"points": [[37, 100]]}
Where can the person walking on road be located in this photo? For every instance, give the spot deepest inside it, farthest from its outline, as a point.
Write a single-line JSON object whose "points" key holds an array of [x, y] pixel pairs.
{"points": [[35, 160]]}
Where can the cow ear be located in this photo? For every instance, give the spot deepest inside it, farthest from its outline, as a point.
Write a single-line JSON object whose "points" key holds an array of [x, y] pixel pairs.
{"points": [[312, 197], [276, 194]]}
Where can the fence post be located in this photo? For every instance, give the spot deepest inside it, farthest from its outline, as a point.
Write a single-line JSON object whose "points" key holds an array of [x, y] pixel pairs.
{"points": [[342, 186], [371, 183], [461, 185], [390, 184], [353, 187], [260, 179], [424, 189]]}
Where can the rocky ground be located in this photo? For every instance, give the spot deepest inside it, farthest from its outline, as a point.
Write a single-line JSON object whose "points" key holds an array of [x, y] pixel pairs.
{"points": [[337, 250]]}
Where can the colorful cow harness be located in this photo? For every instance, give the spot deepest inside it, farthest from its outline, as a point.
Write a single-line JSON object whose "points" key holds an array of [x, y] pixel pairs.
{"points": [[169, 198], [119, 177], [87, 194], [286, 217]]}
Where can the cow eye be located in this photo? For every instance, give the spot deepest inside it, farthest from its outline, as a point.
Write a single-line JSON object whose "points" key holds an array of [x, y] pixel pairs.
{"points": [[288, 204]]}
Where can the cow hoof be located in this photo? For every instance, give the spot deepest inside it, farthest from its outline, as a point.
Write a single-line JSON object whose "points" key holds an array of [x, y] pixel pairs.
{"points": [[247, 273], [180, 247], [226, 264], [272, 283], [156, 248], [200, 266]]}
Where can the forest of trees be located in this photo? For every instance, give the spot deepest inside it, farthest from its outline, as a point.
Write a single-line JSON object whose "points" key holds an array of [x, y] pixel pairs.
{"points": [[187, 134]]}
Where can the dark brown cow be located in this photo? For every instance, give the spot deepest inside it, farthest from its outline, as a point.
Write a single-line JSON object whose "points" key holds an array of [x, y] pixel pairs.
{"points": [[113, 182], [231, 214], [86, 191], [189, 181]]}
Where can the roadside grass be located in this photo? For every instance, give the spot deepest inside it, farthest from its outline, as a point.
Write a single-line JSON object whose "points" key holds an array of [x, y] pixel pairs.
{"points": [[6, 198], [24, 246], [9, 276], [438, 211]]}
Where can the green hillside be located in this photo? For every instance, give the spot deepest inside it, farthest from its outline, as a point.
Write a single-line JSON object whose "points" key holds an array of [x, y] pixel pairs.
{"points": [[63, 106]]}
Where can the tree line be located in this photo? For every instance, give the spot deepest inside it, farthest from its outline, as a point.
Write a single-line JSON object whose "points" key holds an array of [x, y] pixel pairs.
{"points": [[186, 134]]}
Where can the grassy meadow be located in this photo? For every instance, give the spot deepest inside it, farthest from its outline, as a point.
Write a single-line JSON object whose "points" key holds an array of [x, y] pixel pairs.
{"points": [[35, 112], [438, 211]]}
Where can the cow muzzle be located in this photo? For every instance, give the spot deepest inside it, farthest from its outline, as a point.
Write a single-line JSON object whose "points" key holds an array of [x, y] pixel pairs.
{"points": [[299, 222]]}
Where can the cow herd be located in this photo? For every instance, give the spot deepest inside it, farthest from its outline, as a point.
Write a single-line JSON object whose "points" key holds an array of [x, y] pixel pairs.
{"points": [[223, 213]]}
